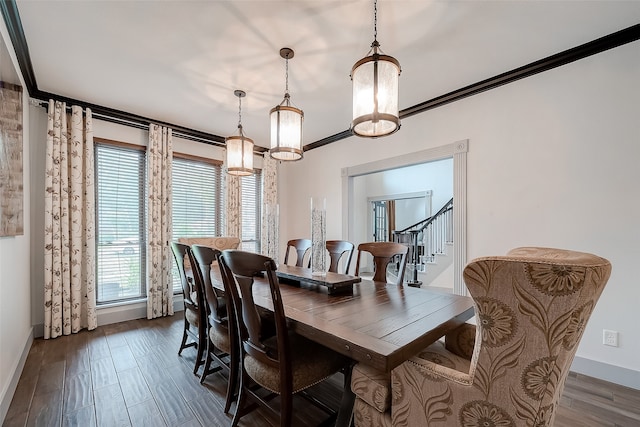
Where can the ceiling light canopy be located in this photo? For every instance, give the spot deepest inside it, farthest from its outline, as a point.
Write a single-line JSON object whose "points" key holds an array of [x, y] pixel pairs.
{"points": [[375, 90], [286, 122], [239, 147]]}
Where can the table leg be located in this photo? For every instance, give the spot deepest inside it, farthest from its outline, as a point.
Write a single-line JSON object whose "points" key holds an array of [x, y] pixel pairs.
{"points": [[345, 413]]}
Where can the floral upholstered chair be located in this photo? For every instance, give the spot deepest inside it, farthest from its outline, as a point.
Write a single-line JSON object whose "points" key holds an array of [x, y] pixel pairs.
{"points": [[532, 306]]}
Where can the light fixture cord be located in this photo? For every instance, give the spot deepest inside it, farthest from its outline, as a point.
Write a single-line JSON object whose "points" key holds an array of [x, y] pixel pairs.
{"points": [[240, 113], [287, 97], [375, 20], [375, 45], [286, 75]]}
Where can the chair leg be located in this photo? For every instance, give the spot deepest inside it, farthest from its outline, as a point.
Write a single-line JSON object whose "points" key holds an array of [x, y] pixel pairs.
{"points": [[207, 363], [345, 412], [184, 337], [233, 380], [199, 355], [241, 401], [286, 409]]}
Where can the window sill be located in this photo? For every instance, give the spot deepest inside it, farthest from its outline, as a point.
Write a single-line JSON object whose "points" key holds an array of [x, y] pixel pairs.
{"points": [[129, 310]]}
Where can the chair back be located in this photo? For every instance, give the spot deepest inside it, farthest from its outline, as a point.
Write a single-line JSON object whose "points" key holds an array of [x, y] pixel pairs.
{"points": [[301, 247], [189, 291], [383, 253], [243, 267], [532, 307], [219, 243], [201, 258], [337, 248]]}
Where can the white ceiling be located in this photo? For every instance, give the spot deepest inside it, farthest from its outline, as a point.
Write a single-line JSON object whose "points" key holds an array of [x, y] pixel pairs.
{"points": [[180, 61]]}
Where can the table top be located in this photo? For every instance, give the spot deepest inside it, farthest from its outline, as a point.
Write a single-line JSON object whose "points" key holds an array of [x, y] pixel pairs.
{"points": [[378, 324], [333, 282]]}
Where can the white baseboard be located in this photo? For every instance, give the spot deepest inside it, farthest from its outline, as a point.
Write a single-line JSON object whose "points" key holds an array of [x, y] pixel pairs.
{"points": [[606, 372], [9, 391], [119, 313]]}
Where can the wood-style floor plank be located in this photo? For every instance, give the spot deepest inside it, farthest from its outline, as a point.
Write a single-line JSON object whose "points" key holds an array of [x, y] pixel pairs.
{"points": [[129, 374]]}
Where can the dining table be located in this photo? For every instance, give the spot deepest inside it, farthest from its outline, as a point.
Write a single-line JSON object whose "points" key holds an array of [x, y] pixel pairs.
{"points": [[374, 323]]}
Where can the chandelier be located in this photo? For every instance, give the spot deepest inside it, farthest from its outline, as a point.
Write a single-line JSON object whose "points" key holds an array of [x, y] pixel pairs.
{"points": [[286, 122], [239, 147], [375, 90]]}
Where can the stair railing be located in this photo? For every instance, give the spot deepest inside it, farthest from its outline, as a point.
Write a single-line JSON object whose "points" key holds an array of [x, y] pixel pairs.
{"points": [[427, 238]]}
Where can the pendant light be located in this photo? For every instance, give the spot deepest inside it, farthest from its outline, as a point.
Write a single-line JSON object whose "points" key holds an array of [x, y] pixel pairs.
{"points": [[239, 147], [375, 90], [286, 122]]}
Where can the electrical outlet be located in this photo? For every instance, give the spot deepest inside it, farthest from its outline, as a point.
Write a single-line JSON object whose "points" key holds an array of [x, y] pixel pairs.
{"points": [[610, 338]]}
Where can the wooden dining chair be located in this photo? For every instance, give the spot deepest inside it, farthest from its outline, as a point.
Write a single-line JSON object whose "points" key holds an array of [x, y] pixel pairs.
{"points": [[383, 253], [283, 364], [222, 345], [195, 319], [301, 246], [338, 248]]}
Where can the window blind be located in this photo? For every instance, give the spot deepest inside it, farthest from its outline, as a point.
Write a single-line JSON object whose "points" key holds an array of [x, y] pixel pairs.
{"points": [[120, 236], [197, 202]]}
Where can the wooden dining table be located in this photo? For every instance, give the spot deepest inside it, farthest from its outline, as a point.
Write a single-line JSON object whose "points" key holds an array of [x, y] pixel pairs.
{"points": [[375, 323]]}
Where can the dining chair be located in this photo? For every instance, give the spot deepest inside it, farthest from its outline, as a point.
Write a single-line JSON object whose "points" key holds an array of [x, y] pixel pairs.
{"points": [[383, 253], [284, 364], [301, 246], [219, 243], [195, 319], [338, 248], [532, 307], [222, 343]]}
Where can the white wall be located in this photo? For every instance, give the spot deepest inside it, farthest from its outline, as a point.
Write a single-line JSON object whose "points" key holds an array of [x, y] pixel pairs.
{"points": [[15, 294], [552, 161]]}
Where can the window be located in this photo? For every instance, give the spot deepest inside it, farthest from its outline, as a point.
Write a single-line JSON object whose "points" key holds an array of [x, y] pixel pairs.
{"points": [[251, 211], [197, 201], [197, 211], [120, 236], [197, 198]]}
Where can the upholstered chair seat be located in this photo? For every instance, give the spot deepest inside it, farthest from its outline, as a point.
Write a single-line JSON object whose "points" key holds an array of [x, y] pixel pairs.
{"points": [[219, 336], [532, 306], [192, 316], [310, 364]]}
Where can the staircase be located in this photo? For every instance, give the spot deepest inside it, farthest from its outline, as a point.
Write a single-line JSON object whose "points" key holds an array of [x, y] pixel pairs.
{"points": [[430, 241]]}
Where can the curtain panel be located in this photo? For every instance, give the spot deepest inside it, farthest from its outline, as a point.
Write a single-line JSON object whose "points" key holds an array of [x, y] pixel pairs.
{"points": [[233, 204], [159, 226], [269, 241], [70, 246]]}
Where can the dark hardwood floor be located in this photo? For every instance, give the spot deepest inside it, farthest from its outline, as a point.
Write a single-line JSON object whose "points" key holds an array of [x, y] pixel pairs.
{"points": [[129, 374]]}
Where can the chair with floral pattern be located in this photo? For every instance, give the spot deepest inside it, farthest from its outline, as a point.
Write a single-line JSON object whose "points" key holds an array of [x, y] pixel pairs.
{"points": [[532, 306]]}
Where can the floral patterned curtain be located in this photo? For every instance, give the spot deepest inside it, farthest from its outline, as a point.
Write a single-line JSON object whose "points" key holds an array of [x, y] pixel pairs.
{"points": [[270, 214], [159, 229], [69, 253], [233, 204]]}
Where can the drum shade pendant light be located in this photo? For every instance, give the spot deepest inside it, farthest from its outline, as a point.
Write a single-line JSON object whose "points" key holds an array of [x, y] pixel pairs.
{"points": [[286, 122], [239, 147], [375, 90]]}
